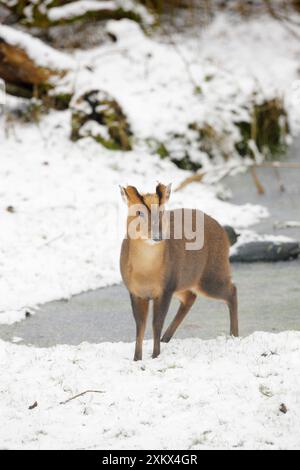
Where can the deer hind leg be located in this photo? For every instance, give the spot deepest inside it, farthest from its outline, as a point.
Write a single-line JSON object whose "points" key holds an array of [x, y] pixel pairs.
{"points": [[187, 299], [226, 291], [160, 310], [140, 312]]}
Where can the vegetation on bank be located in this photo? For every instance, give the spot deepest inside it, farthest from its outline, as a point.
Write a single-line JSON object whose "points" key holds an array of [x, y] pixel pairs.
{"points": [[97, 114]]}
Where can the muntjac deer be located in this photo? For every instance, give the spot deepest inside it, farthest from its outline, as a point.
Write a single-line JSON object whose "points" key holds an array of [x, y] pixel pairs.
{"points": [[158, 261]]}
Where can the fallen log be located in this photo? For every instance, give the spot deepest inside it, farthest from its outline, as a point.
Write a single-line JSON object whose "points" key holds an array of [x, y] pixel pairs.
{"points": [[27, 63]]}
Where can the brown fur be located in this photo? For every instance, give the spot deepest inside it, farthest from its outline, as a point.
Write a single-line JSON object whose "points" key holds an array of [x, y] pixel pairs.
{"points": [[159, 271]]}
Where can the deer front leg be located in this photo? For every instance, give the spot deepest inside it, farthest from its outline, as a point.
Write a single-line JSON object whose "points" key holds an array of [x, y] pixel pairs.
{"points": [[160, 310], [233, 308], [140, 312]]}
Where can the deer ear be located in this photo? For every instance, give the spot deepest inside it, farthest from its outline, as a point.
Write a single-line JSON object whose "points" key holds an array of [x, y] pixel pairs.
{"points": [[123, 194], [163, 192], [131, 195]]}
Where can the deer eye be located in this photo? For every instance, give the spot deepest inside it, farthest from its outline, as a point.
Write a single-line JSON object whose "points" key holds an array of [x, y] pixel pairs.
{"points": [[140, 214]]}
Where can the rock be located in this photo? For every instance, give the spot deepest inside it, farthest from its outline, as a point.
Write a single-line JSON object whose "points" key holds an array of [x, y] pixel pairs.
{"points": [[96, 114], [33, 406], [283, 408], [266, 251]]}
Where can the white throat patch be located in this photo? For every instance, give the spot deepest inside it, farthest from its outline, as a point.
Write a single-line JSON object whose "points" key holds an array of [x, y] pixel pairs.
{"points": [[152, 242]]}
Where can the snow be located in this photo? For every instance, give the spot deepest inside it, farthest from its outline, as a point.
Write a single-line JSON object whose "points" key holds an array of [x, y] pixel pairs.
{"points": [[39, 52], [248, 236], [71, 10], [217, 394]]}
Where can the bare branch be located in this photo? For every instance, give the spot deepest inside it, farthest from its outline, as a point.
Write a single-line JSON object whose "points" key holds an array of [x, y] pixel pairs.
{"points": [[198, 177]]}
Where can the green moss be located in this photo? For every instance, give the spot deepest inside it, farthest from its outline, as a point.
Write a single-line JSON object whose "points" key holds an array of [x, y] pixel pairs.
{"points": [[186, 164], [208, 78], [198, 90], [78, 119], [108, 144], [162, 151], [60, 101]]}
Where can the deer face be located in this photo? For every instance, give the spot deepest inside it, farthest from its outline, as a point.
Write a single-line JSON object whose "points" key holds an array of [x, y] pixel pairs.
{"points": [[145, 219]]}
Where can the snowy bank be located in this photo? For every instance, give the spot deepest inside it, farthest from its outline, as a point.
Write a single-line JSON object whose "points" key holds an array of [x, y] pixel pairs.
{"points": [[179, 96], [215, 394]]}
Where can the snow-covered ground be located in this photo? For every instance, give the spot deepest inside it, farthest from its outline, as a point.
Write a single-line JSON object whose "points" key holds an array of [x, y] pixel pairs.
{"points": [[61, 233], [223, 393], [61, 220]]}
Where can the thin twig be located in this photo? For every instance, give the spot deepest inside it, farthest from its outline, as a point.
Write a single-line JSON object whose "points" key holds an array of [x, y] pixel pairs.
{"points": [[80, 395], [181, 55], [258, 185], [49, 242], [196, 178], [281, 19], [256, 155]]}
